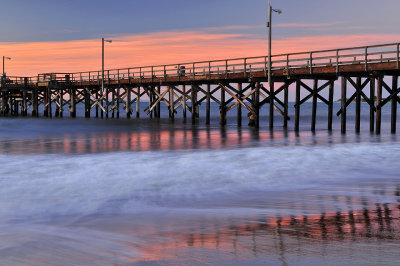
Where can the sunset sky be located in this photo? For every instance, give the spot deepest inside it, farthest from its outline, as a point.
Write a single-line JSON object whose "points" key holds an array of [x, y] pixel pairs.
{"points": [[65, 36]]}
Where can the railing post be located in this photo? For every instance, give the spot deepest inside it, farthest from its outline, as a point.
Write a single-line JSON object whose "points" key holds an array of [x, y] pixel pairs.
{"points": [[366, 58], [337, 61], [245, 67], [129, 76], [165, 73], [265, 66], [209, 68], [287, 65], [226, 68], [311, 63], [152, 73], [194, 74], [398, 51], [140, 73]]}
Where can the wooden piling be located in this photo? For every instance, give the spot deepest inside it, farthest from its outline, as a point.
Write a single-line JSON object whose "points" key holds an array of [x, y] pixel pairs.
{"points": [[128, 102], [97, 106], [257, 105], [239, 106], [73, 102], [314, 105], [118, 100], [106, 91], [184, 103], [330, 104], [297, 106], [57, 102], [87, 103], [35, 105], [343, 105], [271, 105], [24, 106], [378, 107], [358, 105], [194, 99], [50, 103], [159, 103], [286, 105], [394, 103], [372, 105], [222, 116], [171, 103], [46, 102], [138, 103], [62, 103], [113, 102], [150, 94], [208, 103]]}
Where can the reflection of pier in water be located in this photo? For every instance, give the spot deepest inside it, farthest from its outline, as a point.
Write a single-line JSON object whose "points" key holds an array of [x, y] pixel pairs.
{"points": [[357, 220], [166, 140]]}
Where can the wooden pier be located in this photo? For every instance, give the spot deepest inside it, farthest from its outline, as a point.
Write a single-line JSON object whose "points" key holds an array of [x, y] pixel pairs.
{"points": [[232, 83]]}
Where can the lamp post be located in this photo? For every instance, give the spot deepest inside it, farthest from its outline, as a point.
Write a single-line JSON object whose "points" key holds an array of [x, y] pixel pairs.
{"points": [[102, 62], [269, 25], [5, 58], [102, 74]]}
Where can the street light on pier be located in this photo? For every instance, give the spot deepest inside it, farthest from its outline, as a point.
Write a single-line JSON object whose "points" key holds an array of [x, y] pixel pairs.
{"points": [[102, 62], [269, 25], [5, 58]]}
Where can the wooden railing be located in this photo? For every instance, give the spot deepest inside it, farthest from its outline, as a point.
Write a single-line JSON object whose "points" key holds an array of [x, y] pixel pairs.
{"points": [[363, 55]]}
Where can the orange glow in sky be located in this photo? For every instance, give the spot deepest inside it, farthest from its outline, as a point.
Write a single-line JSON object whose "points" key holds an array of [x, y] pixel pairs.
{"points": [[29, 59]]}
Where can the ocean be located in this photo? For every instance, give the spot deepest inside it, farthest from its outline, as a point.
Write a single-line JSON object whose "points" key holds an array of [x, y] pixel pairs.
{"points": [[162, 192]]}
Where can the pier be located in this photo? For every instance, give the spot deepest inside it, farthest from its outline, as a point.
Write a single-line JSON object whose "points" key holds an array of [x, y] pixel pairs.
{"points": [[235, 84]]}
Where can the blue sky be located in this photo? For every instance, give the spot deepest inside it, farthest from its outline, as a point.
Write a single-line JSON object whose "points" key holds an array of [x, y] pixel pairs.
{"points": [[61, 20]]}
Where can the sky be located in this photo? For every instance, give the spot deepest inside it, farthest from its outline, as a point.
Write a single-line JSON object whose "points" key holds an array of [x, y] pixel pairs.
{"points": [[65, 36]]}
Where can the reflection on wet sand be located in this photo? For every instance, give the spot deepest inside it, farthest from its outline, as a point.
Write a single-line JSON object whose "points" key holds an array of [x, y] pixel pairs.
{"points": [[168, 140], [359, 220]]}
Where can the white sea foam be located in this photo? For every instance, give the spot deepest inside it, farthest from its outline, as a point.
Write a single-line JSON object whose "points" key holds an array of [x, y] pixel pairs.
{"points": [[50, 185]]}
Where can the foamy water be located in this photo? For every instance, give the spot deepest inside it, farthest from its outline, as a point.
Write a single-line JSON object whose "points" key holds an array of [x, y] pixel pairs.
{"points": [[104, 192]]}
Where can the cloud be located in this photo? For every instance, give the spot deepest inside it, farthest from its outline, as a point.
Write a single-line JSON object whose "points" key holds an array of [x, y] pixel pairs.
{"points": [[306, 25]]}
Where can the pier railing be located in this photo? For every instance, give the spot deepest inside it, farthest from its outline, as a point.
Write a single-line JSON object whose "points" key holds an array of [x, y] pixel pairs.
{"points": [[362, 55]]}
